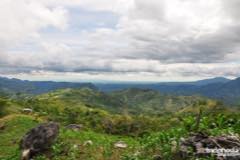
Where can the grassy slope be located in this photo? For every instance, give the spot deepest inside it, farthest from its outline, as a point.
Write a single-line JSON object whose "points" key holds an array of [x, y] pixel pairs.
{"points": [[15, 127], [65, 147], [70, 144]]}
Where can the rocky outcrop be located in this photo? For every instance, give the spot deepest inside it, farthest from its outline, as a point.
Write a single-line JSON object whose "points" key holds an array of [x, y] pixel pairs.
{"points": [[38, 140], [202, 145]]}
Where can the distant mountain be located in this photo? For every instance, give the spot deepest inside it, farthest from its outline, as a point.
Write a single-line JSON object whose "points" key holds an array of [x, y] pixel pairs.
{"points": [[37, 87], [199, 82], [162, 86], [211, 81], [228, 92], [218, 88]]}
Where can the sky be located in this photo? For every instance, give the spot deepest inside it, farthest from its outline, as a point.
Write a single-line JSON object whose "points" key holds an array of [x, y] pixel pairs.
{"points": [[119, 40]]}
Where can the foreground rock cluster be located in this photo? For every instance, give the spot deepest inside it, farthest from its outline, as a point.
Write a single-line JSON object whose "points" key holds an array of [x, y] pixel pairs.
{"points": [[202, 145]]}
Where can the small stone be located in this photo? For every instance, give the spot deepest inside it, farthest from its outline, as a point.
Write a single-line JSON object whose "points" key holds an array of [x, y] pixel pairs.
{"points": [[182, 139], [75, 127], [157, 157], [27, 110], [75, 146], [120, 144], [88, 143]]}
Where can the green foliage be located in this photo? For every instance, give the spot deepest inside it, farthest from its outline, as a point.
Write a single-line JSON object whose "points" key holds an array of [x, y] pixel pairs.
{"points": [[154, 128], [166, 143], [153, 102]]}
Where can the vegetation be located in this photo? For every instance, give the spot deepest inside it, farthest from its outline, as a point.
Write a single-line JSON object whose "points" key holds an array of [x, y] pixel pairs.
{"points": [[150, 123], [130, 101]]}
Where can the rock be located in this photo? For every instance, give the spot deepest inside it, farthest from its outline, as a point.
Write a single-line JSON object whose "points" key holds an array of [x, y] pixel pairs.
{"points": [[201, 145], [76, 146], [38, 140], [75, 127], [27, 110], [157, 157], [120, 144], [88, 143]]}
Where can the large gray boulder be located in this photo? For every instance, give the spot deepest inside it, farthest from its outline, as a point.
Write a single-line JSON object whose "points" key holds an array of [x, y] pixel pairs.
{"points": [[38, 140]]}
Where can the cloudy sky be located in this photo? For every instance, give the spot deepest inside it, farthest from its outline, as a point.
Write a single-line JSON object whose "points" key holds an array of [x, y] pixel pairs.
{"points": [[121, 40]]}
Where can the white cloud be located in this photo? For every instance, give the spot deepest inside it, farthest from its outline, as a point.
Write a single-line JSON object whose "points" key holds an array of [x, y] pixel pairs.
{"points": [[167, 38], [25, 18]]}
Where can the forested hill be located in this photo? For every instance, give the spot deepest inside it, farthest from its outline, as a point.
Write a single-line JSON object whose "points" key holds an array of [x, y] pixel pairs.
{"points": [[132, 101]]}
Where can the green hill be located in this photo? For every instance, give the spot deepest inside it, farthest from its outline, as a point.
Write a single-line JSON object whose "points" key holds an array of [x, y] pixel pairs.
{"points": [[153, 102], [84, 97], [128, 101]]}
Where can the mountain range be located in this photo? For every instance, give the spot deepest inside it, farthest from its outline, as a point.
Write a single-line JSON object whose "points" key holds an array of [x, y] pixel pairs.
{"points": [[217, 88], [36, 87], [162, 86]]}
